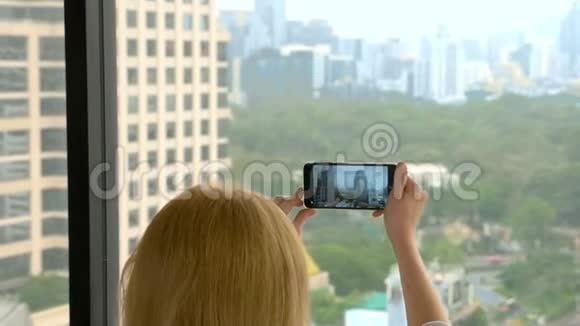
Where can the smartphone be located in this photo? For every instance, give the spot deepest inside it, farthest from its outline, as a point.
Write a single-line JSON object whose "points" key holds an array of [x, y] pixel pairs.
{"points": [[363, 186]]}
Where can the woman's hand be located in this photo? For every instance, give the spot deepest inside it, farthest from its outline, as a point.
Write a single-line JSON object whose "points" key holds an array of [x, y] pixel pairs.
{"points": [[404, 208], [286, 204]]}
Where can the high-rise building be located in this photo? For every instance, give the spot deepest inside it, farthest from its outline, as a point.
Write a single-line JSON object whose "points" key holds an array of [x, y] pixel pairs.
{"points": [[569, 41], [173, 107], [273, 14], [33, 168], [173, 113]]}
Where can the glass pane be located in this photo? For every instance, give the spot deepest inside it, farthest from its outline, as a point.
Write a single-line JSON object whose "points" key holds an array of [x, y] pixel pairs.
{"points": [[33, 174]]}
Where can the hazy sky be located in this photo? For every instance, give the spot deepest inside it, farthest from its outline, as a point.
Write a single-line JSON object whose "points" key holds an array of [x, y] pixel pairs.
{"points": [[378, 19]]}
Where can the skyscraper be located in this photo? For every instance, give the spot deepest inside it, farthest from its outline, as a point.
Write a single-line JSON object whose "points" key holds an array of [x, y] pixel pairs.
{"points": [[273, 14], [570, 41]]}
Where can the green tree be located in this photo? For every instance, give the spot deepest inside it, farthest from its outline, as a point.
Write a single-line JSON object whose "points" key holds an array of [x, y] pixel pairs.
{"points": [[478, 318], [445, 252], [328, 309], [44, 291], [532, 221]]}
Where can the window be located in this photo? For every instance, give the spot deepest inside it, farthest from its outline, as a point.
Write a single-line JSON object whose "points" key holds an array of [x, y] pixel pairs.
{"points": [[205, 101], [13, 108], [170, 76], [52, 49], [187, 102], [188, 155], [53, 140], [222, 151], [54, 167], [133, 190], [132, 48], [53, 106], [204, 127], [187, 76], [169, 21], [222, 51], [187, 48], [55, 259], [14, 267], [188, 128], [131, 19], [223, 127], [12, 233], [133, 242], [151, 20], [13, 142], [15, 170], [187, 22], [14, 205], [171, 156], [223, 101], [132, 104], [205, 75], [152, 187], [133, 133], [151, 131], [13, 80], [133, 218], [152, 104], [170, 130], [170, 183], [132, 76], [169, 48], [223, 77], [204, 48], [55, 226], [151, 76], [205, 23], [52, 79], [170, 104], [54, 199], [152, 159], [133, 161], [13, 48], [151, 48], [205, 153], [151, 212]]}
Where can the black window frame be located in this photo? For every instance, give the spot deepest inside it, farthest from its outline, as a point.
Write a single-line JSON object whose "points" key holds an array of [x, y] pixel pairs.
{"points": [[90, 37]]}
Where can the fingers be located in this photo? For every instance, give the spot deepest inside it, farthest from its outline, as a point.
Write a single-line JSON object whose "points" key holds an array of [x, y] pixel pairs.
{"points": [[302, 217], [288, 203], [413, 189], [400, 180], [377, 213]]}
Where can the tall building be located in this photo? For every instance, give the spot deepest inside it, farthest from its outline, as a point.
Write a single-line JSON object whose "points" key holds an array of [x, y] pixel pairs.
{"points": [[173, 104], [439, 69], [569, 41], [33, 182], [173, 112], [273, 14]]}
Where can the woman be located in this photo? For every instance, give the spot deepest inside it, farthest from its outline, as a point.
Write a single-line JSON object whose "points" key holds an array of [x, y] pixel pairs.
{"points": [[237, 260]]}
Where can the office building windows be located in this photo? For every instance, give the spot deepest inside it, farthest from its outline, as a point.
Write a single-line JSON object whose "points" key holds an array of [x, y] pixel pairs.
{"points": [[152, 104], [205, 153], [133, 104], [13, 108], [187, 76], [12, 233], [55, 259], [223, 101], [205, 75], [170, 156], [133, 218], [151, 212], [187, 22], [54, 199], [151, 131], [188, 155], [131, 19], [52, 79], [204, 127], [151, 48], [14, 170], [151, 76], [13, 142], [133, 242], [170, 130], [169, 48], [53, 140], [188, 128], [222, 151], [169, 21], [133, 133], [55, 226], [14, 205], [223, 77], [52, 49], [133, 161], [132, 48], [187, 102], [152, 187], [187, 48], [13, 48], [205, 101], [132, 76], [152, 159], [53, 106], [13, 80], [223, 127], [151, 20], [204, 48], [170, 104], [169, 76], [222, 51], [205, 23], [54, 167], [133, 190]]}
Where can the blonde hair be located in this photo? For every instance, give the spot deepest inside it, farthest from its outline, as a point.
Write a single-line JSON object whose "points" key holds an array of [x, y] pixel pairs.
{"points": [[234, 261]]}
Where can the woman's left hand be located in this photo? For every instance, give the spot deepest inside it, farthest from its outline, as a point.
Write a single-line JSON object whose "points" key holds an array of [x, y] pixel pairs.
{"points": [[286, 204]]}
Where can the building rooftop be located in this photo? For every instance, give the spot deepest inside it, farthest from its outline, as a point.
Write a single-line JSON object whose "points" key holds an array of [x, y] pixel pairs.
{"points": [[374, 301]]}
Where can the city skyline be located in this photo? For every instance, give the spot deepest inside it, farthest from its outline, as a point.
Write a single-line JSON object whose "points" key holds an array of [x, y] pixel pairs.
{"points": [[466, 19]]}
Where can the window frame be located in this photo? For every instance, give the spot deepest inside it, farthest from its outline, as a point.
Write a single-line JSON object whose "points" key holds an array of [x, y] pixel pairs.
{"points": [[90, 37]]}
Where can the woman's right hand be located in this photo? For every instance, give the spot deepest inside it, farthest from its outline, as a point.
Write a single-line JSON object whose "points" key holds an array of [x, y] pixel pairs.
{"points": [[405, 206]]}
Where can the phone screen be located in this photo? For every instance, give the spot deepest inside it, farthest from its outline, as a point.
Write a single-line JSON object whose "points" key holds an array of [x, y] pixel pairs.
{"points": [[347, 186]]}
